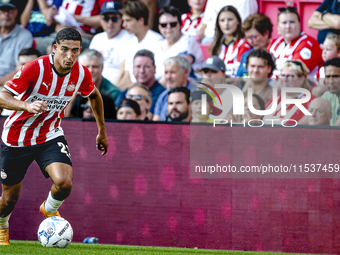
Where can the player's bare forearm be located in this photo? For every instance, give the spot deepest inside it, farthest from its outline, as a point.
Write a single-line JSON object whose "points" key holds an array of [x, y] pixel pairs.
{"points": [[98, 111], [8, 101]]}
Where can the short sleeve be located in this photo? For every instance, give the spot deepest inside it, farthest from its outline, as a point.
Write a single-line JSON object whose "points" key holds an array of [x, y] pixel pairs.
{"points": [[87, 85], [309, 52], [23, 79], [325, 5]]}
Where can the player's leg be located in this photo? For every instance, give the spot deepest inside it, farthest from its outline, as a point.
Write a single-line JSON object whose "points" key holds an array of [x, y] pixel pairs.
{"points": [[8, 199], [61, 175], [55, 162]]}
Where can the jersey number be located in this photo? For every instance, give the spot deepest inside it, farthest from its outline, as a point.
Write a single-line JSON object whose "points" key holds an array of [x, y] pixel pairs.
{"points": [[64, 149]]}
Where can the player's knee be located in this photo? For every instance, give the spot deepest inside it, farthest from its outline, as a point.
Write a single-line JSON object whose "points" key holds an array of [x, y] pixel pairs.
{"points": [[64, 186], [10, 201]]}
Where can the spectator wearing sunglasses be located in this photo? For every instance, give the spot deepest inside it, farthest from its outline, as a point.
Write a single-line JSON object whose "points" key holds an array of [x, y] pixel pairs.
{"points": [[142, 95], [229, 44], [175, 43], [293, 73], [294, 44], [109, 42], [135, 21], [326, 19], [258, 31], [128, 110]]}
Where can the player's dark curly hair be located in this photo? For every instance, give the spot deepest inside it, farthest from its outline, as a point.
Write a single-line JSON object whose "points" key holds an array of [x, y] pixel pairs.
{"points": [[68, 34]]}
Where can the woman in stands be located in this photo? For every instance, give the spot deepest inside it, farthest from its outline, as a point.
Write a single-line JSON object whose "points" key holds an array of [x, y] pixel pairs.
{"points": [[293, 74], [229, 44], [294, 44], [175, 43]]}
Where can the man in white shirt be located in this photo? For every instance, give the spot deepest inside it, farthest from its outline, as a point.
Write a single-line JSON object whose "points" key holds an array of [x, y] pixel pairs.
{"points": [[110, 42], [135, 21]]}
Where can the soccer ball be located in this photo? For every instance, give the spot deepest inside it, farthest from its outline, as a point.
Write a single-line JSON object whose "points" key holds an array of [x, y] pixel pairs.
{"points": [[55, 232]]}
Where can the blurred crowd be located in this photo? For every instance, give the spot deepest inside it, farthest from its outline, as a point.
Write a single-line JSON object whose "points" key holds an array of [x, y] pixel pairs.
{"points": [[156, 60]]}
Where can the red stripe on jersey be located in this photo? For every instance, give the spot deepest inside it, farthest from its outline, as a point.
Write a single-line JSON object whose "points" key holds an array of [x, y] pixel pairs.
{"points": [[59, 85], [187, 17], [46, 128], [32, 127], [67, 5], [57, 123], [78, 10]]}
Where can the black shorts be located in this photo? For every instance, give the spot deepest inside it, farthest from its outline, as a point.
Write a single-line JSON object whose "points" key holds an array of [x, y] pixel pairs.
{"points": [[16, 160]]}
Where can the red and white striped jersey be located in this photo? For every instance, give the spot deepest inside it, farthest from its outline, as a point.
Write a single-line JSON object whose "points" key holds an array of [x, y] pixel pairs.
{"points": [[304, 47], [231, 55], [85, 8], [38, 81], [319, 77], [292, 111], [191, 27]]}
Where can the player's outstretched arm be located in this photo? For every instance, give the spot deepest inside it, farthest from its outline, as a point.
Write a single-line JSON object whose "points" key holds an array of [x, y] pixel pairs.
{"points": [[8, 101], [98, 111]]}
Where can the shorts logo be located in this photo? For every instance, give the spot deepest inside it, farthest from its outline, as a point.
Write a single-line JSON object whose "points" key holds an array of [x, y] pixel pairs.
{"points": [[71, 87], [3, 174]]}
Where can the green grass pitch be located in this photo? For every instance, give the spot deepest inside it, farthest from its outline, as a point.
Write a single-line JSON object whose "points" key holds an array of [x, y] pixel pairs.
{"points": [[29, 247]]}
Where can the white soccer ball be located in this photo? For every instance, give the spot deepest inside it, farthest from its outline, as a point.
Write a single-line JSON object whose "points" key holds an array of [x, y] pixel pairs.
{"points": [[55, 232]]}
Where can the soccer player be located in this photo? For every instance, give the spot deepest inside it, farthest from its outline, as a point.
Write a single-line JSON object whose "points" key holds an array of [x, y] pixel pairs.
{"points": [[33, 132]]}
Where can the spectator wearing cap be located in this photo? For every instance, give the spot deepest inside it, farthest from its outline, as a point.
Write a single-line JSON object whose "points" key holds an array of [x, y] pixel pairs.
{"points": [[109, 42], [128, 110], [213, 68], [208, 107], [135, 21], [258, 30], [176, 74], [144, 70], [179, 105], [13, 38]]}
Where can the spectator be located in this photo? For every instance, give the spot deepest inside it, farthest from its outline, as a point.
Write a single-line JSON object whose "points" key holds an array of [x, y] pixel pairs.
{"points": [[260, 66], [25, 55], [330, 49], [38, 18], [179, 104], [326, 19], [175, 43], [13, 38], [258, 31], [321, 111], [142, 95], [192, 21], [244, 7], [109, 42], [128, 110], [109, 108], [144, 70], [93, 60], [292, 74], [135, 21], [229, 44], [196, 108], [294, 44], [332, 80], [176, 75], [213, 69]]}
